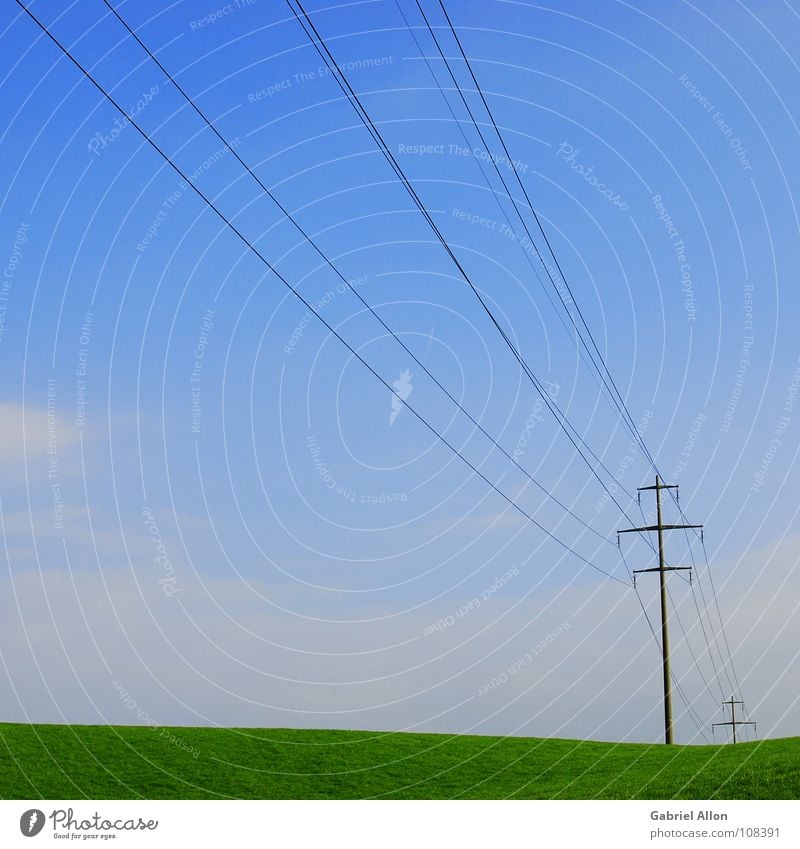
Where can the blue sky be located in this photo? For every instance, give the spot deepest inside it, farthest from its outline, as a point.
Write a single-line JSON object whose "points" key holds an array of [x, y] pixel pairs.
{"points": [[239, 524]]}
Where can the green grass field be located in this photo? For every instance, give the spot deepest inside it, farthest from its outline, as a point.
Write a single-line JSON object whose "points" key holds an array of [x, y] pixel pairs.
{"points": [[121, 762]]}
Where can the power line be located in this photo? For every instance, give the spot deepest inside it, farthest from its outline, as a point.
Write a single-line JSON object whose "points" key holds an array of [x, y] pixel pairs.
{"points": [[344, 280], [662, 570], [676, 683], [714, 642], [620, 404], [616, 396], [691, 650], [322, 49], [270, 267], [479, 164], [714, 639], [734, 722], [297, 294], [532, 241], [725, 663], [719, 614], [319, 44], [694, 571]]}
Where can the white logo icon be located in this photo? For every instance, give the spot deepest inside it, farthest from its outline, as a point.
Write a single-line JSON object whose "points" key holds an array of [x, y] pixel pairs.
{"points": [[31, 822], [402, 389]]}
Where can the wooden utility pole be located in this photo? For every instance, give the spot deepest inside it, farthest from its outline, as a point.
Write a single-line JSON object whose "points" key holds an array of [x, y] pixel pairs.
{"points": [[734, 722], [662, 570]]}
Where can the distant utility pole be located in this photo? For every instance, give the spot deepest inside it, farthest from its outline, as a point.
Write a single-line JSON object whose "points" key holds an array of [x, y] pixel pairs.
{"points": [[662, 569], [734, 722]]}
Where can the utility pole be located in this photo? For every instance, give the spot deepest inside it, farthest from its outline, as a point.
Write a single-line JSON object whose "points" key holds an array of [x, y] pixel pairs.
{"points": [[662, 570], [734, 722]]}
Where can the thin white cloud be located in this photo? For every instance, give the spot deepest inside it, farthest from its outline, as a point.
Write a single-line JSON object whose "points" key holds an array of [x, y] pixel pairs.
{"points": [[221, 652]]}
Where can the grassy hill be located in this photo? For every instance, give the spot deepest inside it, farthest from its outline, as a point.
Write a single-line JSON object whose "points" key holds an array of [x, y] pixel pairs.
{"points": [[120, 762]]}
